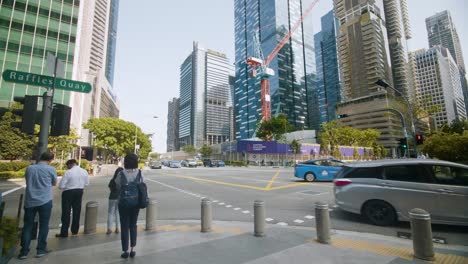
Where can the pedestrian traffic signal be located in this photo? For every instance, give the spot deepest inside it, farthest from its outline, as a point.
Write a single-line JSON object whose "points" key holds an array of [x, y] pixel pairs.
{"points": [[60, 123], [403, 143], [419, 139], [341, 116], [27, 113]]}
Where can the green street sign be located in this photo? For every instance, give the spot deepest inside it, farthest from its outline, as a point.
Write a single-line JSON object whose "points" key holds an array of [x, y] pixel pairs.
{"points": [[45, 81]]}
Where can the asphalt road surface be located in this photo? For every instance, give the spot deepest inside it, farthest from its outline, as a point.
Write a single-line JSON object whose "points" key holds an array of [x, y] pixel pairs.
{"points": [[289, 201]]}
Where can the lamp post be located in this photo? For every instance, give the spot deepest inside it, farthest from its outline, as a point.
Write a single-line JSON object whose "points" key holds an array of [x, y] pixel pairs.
{"points": [[384, 84]]}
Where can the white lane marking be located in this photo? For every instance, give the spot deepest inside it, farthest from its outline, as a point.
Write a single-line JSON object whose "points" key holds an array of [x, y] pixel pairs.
{"points": [[309, 217], [215, 201], [335, 206], [269, 219], [221, 203], [330, 210], [282, 224], [245, 212], [12, 190], [237, 209], [228, 206], [172, 187], [298, 221]]}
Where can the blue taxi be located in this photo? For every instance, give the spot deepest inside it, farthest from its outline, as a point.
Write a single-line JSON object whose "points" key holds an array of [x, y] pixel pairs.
{"points": [[318, 169]]}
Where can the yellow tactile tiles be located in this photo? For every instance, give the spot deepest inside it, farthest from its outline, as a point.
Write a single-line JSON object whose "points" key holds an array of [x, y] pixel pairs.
{"points": [[386, 250]]}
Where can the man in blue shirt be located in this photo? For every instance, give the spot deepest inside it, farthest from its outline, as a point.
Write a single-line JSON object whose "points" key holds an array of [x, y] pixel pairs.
{"points": [[40, 178]]}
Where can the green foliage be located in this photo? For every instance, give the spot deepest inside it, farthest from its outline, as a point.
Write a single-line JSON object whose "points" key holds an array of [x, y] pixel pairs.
{"points": [[356, 155], [13, 166], [234, 163], [85, 164], [295, 146], [4, 175], [13, 143], [154, 155], [206, 151], [118, 136], [63, 143], [190, 150], [445, 146], [274, 129], [457, 126], [9, 232]]}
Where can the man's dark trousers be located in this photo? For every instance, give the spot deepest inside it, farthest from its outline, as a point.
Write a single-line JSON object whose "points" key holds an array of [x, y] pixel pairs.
{"points": [[71, 199]]}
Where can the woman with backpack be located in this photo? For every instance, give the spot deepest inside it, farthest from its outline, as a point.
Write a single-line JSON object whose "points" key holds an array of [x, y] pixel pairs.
{"points": [[113, 209], [126, 183]]}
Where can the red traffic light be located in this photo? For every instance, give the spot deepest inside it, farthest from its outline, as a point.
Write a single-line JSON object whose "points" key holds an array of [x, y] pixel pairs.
{"points": [[419, 139]]}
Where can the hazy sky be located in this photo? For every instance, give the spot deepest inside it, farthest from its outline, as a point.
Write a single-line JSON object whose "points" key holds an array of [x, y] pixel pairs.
{"points": [[154, 37]]}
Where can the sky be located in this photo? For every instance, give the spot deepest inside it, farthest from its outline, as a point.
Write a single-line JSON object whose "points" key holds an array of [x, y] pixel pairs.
{"points": [[154, 38]]}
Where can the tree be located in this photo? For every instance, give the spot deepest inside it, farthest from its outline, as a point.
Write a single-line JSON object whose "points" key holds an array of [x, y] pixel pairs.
{"points": [[295, 147], [65, 143], [154, 155], [13, 143], [190, 150], [457, 126], [273, 129], [447, 146], [206, 151], [118, 136]]}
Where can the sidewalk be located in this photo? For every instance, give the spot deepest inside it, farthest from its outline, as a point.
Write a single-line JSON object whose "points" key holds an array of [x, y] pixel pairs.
{"points": [[181, 242]]}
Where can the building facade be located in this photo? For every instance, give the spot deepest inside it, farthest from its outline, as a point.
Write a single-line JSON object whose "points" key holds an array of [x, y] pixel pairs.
{"points": [[442, 31], [328, 69], [94, 59], [172, 142], [204, 98], [294, 66], [439, 84], [112, 40], [28, 31]]}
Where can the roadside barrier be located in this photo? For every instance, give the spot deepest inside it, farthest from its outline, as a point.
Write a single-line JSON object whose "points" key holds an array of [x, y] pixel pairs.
{"points": [[151, 215], [206, 215], [421, 230], [322, 222], [259, 218], [91, 217]]}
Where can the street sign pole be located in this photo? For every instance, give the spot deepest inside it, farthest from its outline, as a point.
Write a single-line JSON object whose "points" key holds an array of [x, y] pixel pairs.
{"points": [[46, 116]]}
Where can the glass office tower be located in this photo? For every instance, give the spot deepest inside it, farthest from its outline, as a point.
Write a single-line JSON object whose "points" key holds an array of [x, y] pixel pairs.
{"points": [[30, 29]]}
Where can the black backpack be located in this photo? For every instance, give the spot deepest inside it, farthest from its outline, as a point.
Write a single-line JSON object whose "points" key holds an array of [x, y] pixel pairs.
{"points": [[134, 193]]}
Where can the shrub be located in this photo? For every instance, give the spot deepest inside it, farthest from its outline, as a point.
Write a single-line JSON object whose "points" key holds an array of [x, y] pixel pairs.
{"points": [[9, 232], [60, 172], [85, 164], [14, 166], [57, 165], [11, 175]]}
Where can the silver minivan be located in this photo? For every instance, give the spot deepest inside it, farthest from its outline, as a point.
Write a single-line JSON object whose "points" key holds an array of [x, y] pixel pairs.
{"points": [[385, 191]]}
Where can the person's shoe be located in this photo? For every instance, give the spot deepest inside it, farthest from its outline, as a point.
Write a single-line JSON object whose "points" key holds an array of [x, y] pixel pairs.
{"points": [[61, 235], [124, 255], [117, 231], [108, 232], [132, 254], [42, 253], [22, 256]]}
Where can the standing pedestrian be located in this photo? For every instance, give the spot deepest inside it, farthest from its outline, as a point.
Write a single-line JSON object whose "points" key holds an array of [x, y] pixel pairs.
{"points": [[126, 183], [73, 182], [113, 209], [40, 178]]}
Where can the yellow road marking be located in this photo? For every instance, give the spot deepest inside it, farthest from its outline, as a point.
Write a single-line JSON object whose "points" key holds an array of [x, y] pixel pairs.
{"points": [[387, 250], [268, 187]]}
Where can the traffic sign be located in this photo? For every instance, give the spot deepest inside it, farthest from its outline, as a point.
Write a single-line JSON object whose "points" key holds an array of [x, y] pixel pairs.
{"points": [[45, 81]]}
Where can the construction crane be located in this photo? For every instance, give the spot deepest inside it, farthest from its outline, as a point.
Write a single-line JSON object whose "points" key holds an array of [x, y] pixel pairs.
{"points": [[260, 65]]}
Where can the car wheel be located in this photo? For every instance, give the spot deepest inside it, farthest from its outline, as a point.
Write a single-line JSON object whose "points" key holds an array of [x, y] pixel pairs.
{"points": [[379, 213], [309, 177]]}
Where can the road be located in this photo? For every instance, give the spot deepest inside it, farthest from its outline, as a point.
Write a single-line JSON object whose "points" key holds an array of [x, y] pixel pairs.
{"points": [[288, 200]]}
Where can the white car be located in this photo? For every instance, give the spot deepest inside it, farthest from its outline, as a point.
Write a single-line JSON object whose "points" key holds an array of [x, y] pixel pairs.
{"points": [[175, 164]]}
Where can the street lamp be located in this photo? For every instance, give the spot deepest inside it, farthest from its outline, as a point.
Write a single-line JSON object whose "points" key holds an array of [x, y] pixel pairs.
{"points": [[384, 84]]}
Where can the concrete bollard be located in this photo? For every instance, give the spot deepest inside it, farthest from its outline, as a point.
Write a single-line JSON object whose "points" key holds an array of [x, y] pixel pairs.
{"points": [[422, 234], [91, 217], [259, 218], [206, 215], [151, 215], [322, 222]]}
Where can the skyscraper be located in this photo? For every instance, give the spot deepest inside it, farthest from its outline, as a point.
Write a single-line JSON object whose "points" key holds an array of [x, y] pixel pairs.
{"points": [[398, 32], [204, 98], [328, 70], [172, 142], [294, 66], [441, 31], [439, 84], [28, 31], [112, 40]]}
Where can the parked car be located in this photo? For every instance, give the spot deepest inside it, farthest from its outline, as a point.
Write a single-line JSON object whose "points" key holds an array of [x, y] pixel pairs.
{"points": [[220, 163], [385, 191], [175, 164], [184, 163], [155, 165], [318, 169], [207, 163], [191, 163], [165, 163], [199, 162]]}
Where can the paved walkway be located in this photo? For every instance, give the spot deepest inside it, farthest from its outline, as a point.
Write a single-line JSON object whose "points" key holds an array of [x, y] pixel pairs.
{"points": [[181, 242]]}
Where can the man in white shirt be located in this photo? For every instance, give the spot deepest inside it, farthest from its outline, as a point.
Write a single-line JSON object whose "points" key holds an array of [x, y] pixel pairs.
{"points": [[73, 182]]}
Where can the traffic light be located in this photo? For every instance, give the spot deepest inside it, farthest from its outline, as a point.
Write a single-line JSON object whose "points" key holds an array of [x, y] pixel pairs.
{"points": [[419, 139], [28, 113], [60, 123], [342, 116], [403, 143]]}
